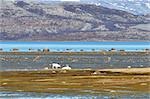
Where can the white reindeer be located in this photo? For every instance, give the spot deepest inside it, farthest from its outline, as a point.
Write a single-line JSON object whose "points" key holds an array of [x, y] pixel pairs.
{"points": [[55, 66], [67, 67]]}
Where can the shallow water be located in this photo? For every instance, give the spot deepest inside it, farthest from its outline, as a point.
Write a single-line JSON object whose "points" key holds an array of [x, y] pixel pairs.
{"points": [[20, 62], [32, 95]]}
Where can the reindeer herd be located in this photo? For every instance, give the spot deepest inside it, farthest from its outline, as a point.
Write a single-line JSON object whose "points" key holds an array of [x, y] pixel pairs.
{"points": [[58, 66]]}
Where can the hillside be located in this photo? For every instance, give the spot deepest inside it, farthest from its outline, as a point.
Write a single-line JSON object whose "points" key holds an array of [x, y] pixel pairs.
{"points": [[69, 21], [138, 7]]}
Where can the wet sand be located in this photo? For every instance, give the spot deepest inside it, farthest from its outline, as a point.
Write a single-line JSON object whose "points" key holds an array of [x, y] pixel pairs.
{"points": [[118, 81]]}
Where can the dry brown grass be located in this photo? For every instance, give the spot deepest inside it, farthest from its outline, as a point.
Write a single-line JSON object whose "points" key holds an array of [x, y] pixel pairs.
{"points": [[76, 80]]}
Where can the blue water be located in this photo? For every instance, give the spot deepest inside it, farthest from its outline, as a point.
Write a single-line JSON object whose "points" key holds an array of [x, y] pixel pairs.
{"points": [[75, 46], [32, 95]]}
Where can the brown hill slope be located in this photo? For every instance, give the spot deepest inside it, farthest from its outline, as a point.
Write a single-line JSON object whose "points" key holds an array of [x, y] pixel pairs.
{"points": [[39, 21]]}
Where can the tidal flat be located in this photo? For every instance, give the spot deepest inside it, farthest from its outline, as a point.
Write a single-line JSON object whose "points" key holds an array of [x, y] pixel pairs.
{"points": [[86, 81]]}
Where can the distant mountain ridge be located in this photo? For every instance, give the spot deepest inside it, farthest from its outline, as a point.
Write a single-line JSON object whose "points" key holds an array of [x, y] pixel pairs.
{"points": [[67, 21], [139, 7]]}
